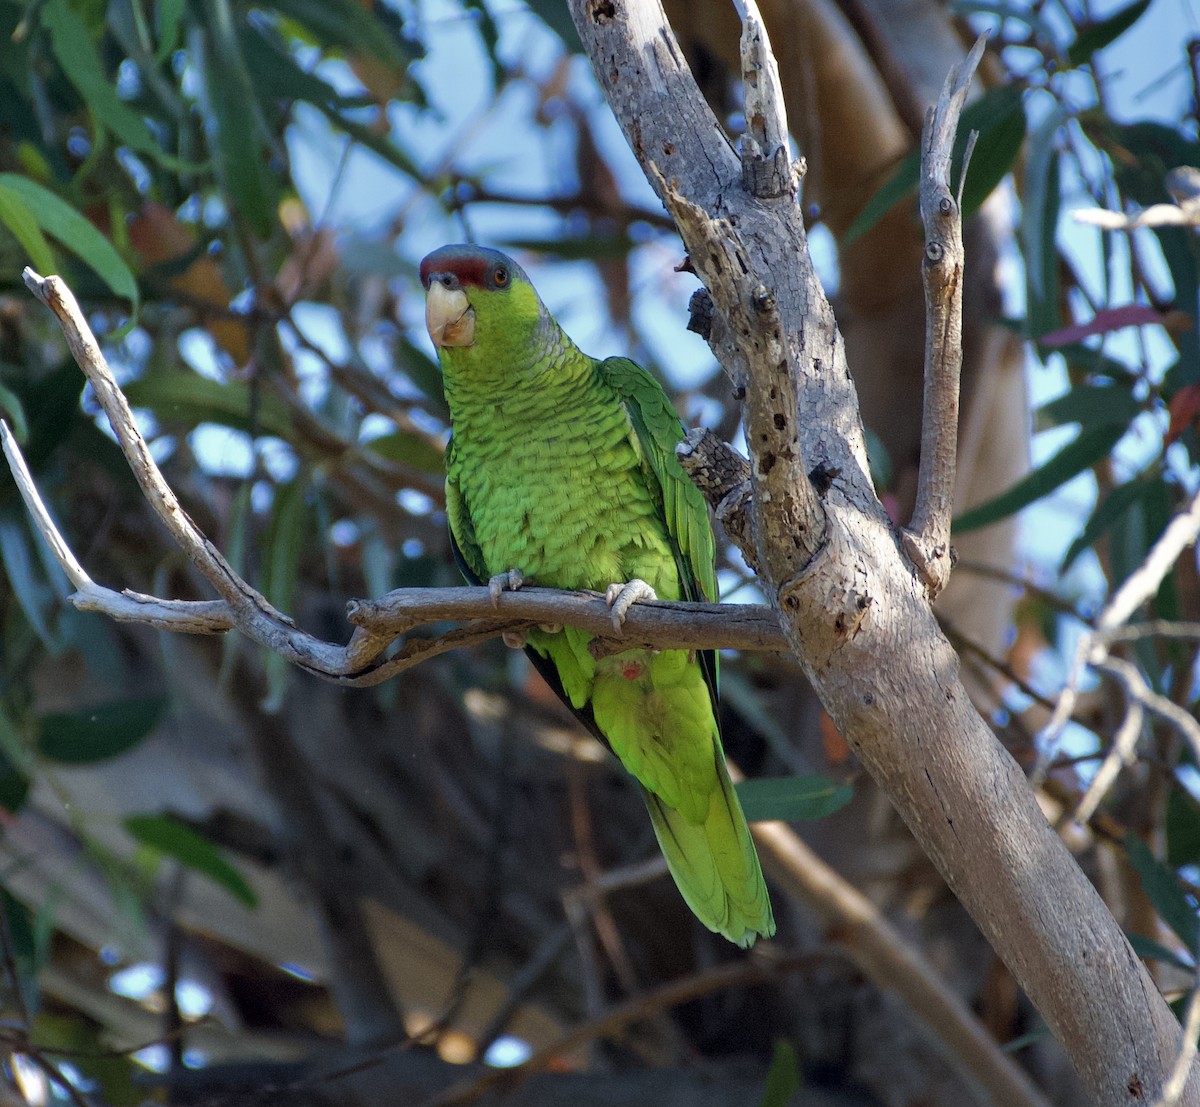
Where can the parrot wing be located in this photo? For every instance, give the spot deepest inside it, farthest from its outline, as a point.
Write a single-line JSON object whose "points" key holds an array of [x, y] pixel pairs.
{"points": [[656, 431], [467, 554]]}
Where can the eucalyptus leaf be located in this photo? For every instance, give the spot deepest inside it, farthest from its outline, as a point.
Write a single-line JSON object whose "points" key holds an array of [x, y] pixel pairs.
{"points": [[1163, 889], [16, 216], [792, 798], [1039, 219], [28, 585], [408, 449], [1106, 514], [1092, 444], [783, 1077], [57, 218], [1094, 405], [1098, 35], [169, 836], [1151, 950], [193, 399], [995, 116], [99, 732]]}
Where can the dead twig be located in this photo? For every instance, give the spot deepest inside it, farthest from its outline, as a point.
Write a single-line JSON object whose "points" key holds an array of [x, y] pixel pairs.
{"points": [[926, 539], [1094, 645]]}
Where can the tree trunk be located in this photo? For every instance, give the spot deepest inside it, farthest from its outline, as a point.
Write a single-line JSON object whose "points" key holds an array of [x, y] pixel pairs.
{"points": [[850, 603]]}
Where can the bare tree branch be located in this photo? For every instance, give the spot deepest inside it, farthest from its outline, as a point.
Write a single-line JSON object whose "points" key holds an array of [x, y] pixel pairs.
{"points": [[850, 604], [927, 537], [1093, 646], [1173, 1091]]}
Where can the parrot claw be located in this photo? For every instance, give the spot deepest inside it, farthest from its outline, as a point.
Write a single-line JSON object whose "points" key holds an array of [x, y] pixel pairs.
{"points": [[621, 597], [514, 639], [509, 581]]}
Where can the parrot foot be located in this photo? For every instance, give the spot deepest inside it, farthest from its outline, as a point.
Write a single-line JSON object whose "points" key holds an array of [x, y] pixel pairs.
{"points": [[510, 581], [621, 597], [514, 639]]}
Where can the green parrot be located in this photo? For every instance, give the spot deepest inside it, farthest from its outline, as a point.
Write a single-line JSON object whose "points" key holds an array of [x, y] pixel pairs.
{"points": [[561, 470]]}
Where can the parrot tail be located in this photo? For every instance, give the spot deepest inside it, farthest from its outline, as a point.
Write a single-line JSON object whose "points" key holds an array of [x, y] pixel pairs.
{"points": [[714, 863]]}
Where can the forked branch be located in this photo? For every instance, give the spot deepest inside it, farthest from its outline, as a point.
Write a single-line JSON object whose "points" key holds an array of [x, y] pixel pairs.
{"points": [[927, 537]]}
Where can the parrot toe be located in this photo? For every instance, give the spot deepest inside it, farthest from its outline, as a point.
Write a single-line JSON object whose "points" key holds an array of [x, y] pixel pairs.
{"points": [[509, 581], [514, 639], [621, 597]]}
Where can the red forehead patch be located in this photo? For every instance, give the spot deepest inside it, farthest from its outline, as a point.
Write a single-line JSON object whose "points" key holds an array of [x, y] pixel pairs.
{"points": [[469, 266]]}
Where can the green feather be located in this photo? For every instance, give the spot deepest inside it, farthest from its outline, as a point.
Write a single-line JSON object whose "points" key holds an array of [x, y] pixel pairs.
{"points": [[564, 467]]}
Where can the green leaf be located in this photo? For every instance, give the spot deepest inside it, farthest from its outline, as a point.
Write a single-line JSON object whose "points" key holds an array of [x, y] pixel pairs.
{"points": [[791, 798], [20, 932], [15, 761], [100, 732], [783, 1077], [16, 216], [288, 535], [1098, 35], [995, 154], [994, 116], [13, 411], [1183, 828], [1093, 361], [169, 14], [1106, 514], [425, 374], [879, 460], [350, 24], [557, 16], [595, 247], [1151, 950], [57, 218], [1164, 891], [14, 786], [28, 585], [89, 1049], [233, 125], [1002, 9], [1037, 1034], [901, 183], [490, 34], [77, 57], [408, 449], [175, 839], [1039, 222], [278, 76], [16, 764], [1093, 405], [1092, 444], [193, 399]]}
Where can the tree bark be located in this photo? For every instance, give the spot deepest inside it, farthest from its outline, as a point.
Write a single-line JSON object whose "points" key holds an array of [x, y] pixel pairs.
{"points": [[850, 603]]}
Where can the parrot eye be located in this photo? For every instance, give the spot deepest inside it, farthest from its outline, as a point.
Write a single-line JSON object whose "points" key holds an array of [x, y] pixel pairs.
{"points": [[500, 276]]}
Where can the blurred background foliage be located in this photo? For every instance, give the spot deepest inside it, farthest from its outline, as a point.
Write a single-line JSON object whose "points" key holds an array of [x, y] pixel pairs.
{"points": [[220, 875]]}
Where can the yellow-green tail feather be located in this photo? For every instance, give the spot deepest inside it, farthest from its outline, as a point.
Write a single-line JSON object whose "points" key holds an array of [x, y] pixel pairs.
{"points": [[714, 863]]}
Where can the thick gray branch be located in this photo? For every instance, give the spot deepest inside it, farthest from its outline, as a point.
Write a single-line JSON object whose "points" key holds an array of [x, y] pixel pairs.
{"points": [[853, 609]]}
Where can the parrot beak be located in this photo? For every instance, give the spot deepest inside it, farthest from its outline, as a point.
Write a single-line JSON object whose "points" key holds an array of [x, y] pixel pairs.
{"points": [[449, 316]]}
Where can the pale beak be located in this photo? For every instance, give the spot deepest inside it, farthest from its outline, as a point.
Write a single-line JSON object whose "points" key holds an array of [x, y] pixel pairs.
{"points": [[449, 316]]}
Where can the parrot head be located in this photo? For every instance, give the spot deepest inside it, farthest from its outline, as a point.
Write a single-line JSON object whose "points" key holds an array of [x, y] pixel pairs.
{"points": [[474, 295]]}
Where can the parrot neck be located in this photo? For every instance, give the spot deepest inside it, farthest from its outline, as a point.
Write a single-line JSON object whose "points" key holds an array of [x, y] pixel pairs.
{"points": [[515, 373]]}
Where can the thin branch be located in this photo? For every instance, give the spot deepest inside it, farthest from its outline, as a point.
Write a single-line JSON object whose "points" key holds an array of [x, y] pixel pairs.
{"points": [[927, 537], [856, 618], [369, 657], [1157, 215], [1123, 752], [1173, 1089], [874, 945], [1093, 646], [614, 1021]]}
